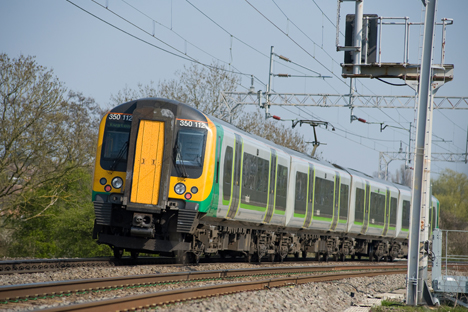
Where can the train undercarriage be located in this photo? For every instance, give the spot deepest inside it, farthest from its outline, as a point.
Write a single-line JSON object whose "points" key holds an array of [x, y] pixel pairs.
{"points": [[187, 235]]}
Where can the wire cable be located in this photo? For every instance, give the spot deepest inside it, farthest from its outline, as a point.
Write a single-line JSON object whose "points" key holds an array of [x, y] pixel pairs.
{"points": [[190, 59], [235, 37]]}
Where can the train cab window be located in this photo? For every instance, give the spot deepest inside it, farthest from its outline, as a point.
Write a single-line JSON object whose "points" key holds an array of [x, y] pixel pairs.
{"points": [[344, 196], [281, 188], [300, 202], [393, 209], [115, 144], [377, 211], [189, 152], [324, 193], [359, 205], [227, 176], [405, 215]]}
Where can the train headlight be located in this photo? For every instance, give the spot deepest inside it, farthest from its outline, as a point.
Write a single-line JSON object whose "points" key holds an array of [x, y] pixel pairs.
{"points": [[117, 182], [179, 188]]}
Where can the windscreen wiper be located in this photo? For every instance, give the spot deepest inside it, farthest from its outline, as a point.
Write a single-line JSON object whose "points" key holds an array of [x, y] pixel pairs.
{"points": [[180, 167], [120, 156]]}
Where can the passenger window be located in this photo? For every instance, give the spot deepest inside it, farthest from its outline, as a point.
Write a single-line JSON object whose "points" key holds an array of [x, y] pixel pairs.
{"points": [[324, 190], [255, 171], [227, 176], [359, 205], [344, 197], [393, 208], [377, 208], [281, 188], [301, 193], [406, 215]]}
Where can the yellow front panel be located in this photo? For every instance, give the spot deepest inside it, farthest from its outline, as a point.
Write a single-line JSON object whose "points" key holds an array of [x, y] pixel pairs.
{"points": [[148, 162]]}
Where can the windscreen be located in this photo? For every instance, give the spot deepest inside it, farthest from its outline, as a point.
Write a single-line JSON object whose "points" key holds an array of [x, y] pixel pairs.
{"points": [[115, 142], [189, 152]]}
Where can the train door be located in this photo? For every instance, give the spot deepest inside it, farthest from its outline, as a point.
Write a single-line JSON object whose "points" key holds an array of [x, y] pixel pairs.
{"points": [[236, 178], [272, 187], [387, 212], [148, 163], [336, 202], [366, 209], [310, 197]]}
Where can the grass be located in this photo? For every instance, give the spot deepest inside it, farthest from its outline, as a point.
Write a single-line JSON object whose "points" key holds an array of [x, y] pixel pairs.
{"points": [[395, 306]]}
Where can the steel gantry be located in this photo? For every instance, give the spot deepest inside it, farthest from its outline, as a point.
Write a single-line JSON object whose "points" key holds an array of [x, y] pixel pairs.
{"points": [[234, 99]]}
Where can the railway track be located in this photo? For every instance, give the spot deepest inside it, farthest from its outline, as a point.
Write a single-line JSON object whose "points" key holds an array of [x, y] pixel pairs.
{"points": [[44, 265], [13, 293], [288, 276]]}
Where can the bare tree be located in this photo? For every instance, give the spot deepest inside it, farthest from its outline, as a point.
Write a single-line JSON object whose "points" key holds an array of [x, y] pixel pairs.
{"points": [[200, 87], [270, 129], [403, 176], [195, 85], [44, 134]]}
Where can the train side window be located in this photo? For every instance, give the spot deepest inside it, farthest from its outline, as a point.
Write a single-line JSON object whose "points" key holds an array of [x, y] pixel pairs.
{"points": [[255, 180], [405, 215], [359, 205], [431, 210], [249, 170], [344, 198], [281, 188], [324, 193], [377, 208], [393, 208], [262, 175], [227, 176], [301, 193]]}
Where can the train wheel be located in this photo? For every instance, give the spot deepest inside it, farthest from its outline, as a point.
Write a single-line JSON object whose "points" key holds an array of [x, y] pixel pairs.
{"points": [[134, 254], [353, 257], [272, 257], [317, 256], [248, 257], [326, 257], [118, 253], [304, 254], [181, 257], [342, 258], [296, 255], [371, 256], [390, 259]]}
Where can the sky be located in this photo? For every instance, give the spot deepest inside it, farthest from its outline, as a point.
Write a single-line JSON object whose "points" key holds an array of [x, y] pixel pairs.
{"points": [[100, 47]]}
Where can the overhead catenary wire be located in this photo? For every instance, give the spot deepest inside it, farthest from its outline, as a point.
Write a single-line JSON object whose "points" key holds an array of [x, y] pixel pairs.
{"points": [[190, 59], [233, 36], [301, 47], [185, 58], [183, 38]]}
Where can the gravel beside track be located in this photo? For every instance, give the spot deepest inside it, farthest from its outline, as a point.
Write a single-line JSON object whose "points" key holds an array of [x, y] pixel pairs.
{"points": [[329, 296]]}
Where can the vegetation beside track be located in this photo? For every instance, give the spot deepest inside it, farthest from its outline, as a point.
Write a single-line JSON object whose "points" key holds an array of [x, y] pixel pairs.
{"points": [[397, 306]]}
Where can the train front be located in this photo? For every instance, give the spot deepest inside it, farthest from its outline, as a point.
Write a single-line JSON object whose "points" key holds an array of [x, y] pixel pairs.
{"points": [[153, 177]]}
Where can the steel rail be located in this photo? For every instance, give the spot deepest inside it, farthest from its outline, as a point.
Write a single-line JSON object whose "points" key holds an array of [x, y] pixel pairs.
{"points": [[172, 296], [44, 265], [51, 288]]}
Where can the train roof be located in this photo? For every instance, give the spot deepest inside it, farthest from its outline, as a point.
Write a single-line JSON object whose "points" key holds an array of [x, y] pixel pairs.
{"points": [[276, 146]]}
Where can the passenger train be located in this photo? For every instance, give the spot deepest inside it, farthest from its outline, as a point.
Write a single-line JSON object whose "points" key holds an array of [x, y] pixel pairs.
{"points": [[173, 181]]}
